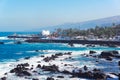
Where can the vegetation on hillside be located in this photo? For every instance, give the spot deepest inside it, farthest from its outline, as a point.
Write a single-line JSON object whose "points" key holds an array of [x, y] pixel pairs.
{"points": [[99, 31]]}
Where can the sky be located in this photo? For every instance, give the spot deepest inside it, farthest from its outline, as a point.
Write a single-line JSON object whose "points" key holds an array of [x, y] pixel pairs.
{"points": [[18, 15]]}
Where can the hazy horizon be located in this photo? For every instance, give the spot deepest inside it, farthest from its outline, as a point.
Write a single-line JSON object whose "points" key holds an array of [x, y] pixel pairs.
{"points": [[18, 15]]}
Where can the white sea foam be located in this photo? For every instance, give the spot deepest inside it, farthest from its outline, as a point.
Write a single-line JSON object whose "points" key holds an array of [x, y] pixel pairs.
{"points": [[5, 67], [79, 45], [60, 61], [4, 38]]}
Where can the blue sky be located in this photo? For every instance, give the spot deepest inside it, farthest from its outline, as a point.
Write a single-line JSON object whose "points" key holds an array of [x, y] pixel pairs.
{"points": [[21, 15]]}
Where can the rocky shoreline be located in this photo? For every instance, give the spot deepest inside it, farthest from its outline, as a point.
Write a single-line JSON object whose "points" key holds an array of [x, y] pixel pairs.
{"points": [[56, 67]]}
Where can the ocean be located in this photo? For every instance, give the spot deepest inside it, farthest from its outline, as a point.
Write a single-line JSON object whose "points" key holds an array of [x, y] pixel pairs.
{"points": [[10, 52]]}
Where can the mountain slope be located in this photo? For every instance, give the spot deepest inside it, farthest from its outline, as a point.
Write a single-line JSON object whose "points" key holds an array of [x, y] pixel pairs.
{"points": [[86, 24]]}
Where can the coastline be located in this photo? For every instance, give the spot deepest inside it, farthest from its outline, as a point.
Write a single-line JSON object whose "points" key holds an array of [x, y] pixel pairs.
{"points": [[64, 62]]}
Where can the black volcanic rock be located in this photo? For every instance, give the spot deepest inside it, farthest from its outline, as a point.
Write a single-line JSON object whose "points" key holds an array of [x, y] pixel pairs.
{"points": [[107, 54], [3, 78], [66, 72], [50, 78], [85, 68], [21, 70], [60, 76], [38, 66], [100, 76], [27, 58], [92, 52], [1, 42], [23, 73], [68, 53], [52, 68], [109, 58], [35, 79], [119, 76], [119, 63]]}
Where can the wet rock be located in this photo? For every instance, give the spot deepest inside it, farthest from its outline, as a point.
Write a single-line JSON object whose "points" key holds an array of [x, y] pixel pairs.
{"points": [[107, 54], [38, 66], [25, 64], [109, 58], [87, 55], [69, 53], [99, 76], [36, 50], [89, 45], [52, 68], [96, 74], [97, 61], [34, 71], [23, 73], [47, 59], [88, 75], [71, 44], [85, 68], [94, 56], [27, 58], [76, 73], [59, 54], [92, 52], [31, 68], [96, 70], [35, 79], [5, 73], [53, 57], [117, 55], [65, 65], [42, 56], [3, 78], [1, 42], [119, 63], [38, 61], [119, 76], [50, 78], [18, 42], [21, 70], [66, 72], [115, 52], [60, 76]]}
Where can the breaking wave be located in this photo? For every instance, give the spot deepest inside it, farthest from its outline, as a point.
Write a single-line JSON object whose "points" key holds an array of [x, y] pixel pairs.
{"points": [[4, 38]]}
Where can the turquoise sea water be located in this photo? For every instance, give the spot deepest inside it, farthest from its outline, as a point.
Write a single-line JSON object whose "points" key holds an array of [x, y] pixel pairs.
{"points": [[10, 51]]}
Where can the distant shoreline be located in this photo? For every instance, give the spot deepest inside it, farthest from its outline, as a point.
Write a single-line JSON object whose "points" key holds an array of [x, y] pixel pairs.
{"points": [[98, 42]]}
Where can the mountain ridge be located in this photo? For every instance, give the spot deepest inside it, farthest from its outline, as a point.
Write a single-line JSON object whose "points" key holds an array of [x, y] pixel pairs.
{"points": [[85, 24]]}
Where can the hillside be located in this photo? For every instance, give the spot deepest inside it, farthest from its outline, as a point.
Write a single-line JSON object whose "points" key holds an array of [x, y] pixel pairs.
{"points": [[86, 24]]}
